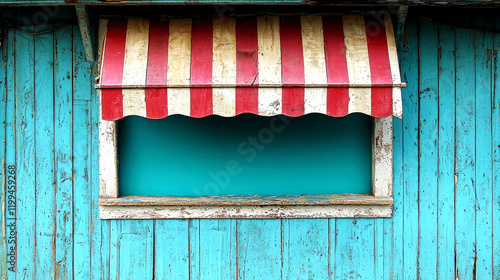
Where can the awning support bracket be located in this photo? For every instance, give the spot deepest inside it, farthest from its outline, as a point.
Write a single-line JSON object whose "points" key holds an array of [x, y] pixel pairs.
{"points": [[83, 22]]}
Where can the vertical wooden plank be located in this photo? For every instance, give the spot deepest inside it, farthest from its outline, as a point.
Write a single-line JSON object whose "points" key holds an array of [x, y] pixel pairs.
{"points": [[409, 69], [25, 155], [378, 248], [10, 138], [446, 144], [100, 230], [3, 178], [484, 163], [216, 255], [63, 93], [394, 227], [354, 252], [132, 249], [428, 151], [82, 193], [305, 249], [82, 159], [44, 134], [171, 249], [465, 200], [496, 154], [259, 249]]}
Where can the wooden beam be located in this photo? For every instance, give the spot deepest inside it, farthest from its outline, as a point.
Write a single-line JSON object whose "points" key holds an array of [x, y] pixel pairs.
{"points": [[83, 22], [401, 27]]}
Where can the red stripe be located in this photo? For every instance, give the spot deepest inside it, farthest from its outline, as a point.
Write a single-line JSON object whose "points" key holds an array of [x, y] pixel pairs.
{"points": [[201, 67], [337, 100], [292, 66], [112, 71], [156, 98], [380, 67], [246, 65]]}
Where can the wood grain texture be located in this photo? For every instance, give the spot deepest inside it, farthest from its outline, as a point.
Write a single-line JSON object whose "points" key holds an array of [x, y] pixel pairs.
{"points": [[268, 249], [446, 144], [428, 162], [45, 203]]}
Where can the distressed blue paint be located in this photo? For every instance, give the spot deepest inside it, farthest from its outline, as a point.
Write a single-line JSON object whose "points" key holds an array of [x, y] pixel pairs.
{"points": [[63, 92], [25, 155], [354, 246], [171, 249], [44, 166], [267, 249], [496, 153], [259, 249], [10, 136], [465, 202], [446, 144], [215, 257], [305, 249], [428, 150], [484, 188], [3, 174], [409, 72]]}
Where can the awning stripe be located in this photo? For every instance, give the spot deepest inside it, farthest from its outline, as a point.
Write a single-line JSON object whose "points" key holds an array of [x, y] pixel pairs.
{"points": [[246, 65], [201, 67], [334, 65], [292, 64], [156, 98], [113, 60], [379, 67]]}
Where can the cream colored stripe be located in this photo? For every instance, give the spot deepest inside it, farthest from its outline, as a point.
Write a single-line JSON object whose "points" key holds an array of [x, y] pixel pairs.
{"points": [[179, 101], [358, 63], [313, 50], [315, 100], [179, 52], [268, 34], [270, 101], [135, 67], [397, 103], [224, 102], [224, 51]]}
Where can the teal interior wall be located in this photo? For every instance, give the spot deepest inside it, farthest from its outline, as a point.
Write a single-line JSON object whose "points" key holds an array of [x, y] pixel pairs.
{"points": [[242, 155], [446, 159]]}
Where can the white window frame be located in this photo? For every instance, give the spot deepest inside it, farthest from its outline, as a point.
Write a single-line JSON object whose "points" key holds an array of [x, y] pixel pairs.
{"points": [[375, 205]]}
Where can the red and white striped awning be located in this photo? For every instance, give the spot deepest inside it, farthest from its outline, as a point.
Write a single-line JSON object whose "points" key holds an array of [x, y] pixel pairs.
{"points": [[334, 65]]}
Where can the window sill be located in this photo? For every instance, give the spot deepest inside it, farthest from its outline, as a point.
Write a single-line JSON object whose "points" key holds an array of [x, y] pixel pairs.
{"points": [[241, 207]]}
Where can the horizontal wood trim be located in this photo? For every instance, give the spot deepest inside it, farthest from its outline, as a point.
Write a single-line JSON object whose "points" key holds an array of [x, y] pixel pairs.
{"points": [[251, 200], [245, 212]]}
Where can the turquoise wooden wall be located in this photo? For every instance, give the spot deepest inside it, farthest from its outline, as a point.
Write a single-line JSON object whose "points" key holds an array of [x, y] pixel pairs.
{"points": [[447, 169]]}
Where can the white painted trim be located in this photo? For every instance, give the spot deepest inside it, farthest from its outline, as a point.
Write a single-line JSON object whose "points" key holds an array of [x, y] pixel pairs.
{"points": [[245, 212], [382, 165]]}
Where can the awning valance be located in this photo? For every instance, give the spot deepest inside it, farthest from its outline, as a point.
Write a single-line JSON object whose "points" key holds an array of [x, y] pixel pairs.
{"points": [[334, 65]]}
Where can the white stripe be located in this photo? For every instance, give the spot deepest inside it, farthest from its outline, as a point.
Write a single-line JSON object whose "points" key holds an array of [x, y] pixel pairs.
{"points": [[397, 103], [358, 63], [315, 100], [135, 67], [270, 101], [314, 64], [313, 47], [224, 51], [179, 101], [179, 66], [268, 35], [224, 101], [179, 52]]}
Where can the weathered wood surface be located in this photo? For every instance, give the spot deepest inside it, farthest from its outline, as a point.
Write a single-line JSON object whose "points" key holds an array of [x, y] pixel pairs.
{"points": [[458, 226]]}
